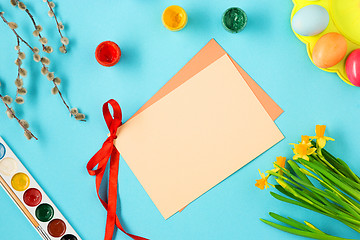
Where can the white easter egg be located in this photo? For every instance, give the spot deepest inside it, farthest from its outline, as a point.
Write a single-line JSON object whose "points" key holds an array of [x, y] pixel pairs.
{"points": [[310, 20]]}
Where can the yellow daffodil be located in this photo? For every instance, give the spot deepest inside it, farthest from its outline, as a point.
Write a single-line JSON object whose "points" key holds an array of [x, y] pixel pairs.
{"points": [[263, 182], [306, 139], [280, 162], [303, 150], [320, 138]]}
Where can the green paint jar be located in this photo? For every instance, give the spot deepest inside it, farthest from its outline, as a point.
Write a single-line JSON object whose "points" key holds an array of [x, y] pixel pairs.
{"points": [[234, 19]]}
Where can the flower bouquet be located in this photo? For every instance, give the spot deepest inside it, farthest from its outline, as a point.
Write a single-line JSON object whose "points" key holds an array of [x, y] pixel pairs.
{"points": [[316, 180]]}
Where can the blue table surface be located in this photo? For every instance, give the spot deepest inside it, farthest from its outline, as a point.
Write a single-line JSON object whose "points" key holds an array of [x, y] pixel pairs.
{"points": [[267, 49]]}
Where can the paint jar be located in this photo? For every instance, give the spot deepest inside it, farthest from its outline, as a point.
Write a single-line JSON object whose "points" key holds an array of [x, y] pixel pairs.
{"points": [[174, 18], [234, 20], [108, 53]]}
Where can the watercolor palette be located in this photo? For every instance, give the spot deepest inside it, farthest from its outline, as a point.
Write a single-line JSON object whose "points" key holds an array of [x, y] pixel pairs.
{"points": [[31, 199]]}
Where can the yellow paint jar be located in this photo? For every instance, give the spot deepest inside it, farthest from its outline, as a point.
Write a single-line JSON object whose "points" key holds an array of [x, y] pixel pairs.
{"points": [[174, 18]]}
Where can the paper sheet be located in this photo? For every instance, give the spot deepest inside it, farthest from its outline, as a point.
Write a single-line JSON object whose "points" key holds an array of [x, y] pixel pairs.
{"points": [[207, 55], [196, 136]]}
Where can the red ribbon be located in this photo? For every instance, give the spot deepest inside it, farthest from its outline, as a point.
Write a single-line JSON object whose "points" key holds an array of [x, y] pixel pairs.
{"points": [[101, 158]]}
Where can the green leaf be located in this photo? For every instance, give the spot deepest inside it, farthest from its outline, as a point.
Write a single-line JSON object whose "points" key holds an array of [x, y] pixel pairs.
{"points": [[340, 164], [292, 222], [320, 194], [347, 206], [312, 201], [341, 185], [298, 232], [344, 219], [331, 159], [296, 169], [283, 191], [301, 204], [352, 174], [328, 177]]}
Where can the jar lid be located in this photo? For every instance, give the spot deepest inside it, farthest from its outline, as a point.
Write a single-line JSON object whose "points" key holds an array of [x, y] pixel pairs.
{"points": [[108, 53], [234, 20], [174, 18]]}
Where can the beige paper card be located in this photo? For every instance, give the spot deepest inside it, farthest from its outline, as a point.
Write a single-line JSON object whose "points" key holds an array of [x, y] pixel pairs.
{"points": [[196, 136]]}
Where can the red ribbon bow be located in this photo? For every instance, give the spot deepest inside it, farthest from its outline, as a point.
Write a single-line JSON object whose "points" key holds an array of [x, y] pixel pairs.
{"points": [[101, 158]]}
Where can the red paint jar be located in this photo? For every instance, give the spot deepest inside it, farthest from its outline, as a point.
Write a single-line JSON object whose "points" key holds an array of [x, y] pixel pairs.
{"points": [[108, 53]]}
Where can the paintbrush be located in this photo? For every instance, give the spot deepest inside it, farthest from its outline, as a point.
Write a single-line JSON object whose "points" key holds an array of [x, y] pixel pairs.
{"points": [[24, 209]]}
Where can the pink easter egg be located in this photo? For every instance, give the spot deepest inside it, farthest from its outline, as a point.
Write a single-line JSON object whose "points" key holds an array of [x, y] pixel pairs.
{"points": [[352, 67]]}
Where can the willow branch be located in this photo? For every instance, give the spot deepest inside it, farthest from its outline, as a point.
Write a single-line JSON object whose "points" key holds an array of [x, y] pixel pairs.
{"points": [[17, 35], [57, 23], [34, 23], [32, 49], [18, 74], [18, 120]]}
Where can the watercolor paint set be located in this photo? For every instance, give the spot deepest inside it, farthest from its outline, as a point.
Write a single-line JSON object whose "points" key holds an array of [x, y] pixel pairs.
{"points": [[31, 199]]}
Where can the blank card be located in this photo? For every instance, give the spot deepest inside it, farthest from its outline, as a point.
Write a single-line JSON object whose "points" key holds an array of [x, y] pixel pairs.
{"points": [[207, 55], [196, 136]]}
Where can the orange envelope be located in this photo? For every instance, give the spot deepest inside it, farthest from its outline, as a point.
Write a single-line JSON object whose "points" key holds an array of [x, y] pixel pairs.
{"points": [[207, 55], [195, 136]]}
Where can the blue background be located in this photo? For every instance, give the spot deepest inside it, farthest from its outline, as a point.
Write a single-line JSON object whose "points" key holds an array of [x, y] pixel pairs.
{"points": [[267, 49]]}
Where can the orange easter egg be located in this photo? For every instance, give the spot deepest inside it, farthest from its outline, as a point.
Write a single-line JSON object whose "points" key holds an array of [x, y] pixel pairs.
{"points": [[329, 50]]}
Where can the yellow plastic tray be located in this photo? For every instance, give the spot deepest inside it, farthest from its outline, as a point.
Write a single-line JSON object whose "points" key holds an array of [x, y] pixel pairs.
{"points": [[344, 19]]}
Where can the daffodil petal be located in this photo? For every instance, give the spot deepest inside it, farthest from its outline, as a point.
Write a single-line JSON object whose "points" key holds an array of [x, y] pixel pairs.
{"points": [[329, 139], [305, 139], [321, 142], [320, 130], [259, 184], [311, 151], [280, 161]]}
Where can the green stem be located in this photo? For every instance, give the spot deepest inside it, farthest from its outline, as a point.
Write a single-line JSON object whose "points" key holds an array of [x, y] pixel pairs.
{"points": [[303, 233], [319, 157]]}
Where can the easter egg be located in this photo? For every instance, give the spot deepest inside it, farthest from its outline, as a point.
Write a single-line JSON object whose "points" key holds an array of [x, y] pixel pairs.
{"points": [[329, 50], [352, 67], [310, 20]]}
